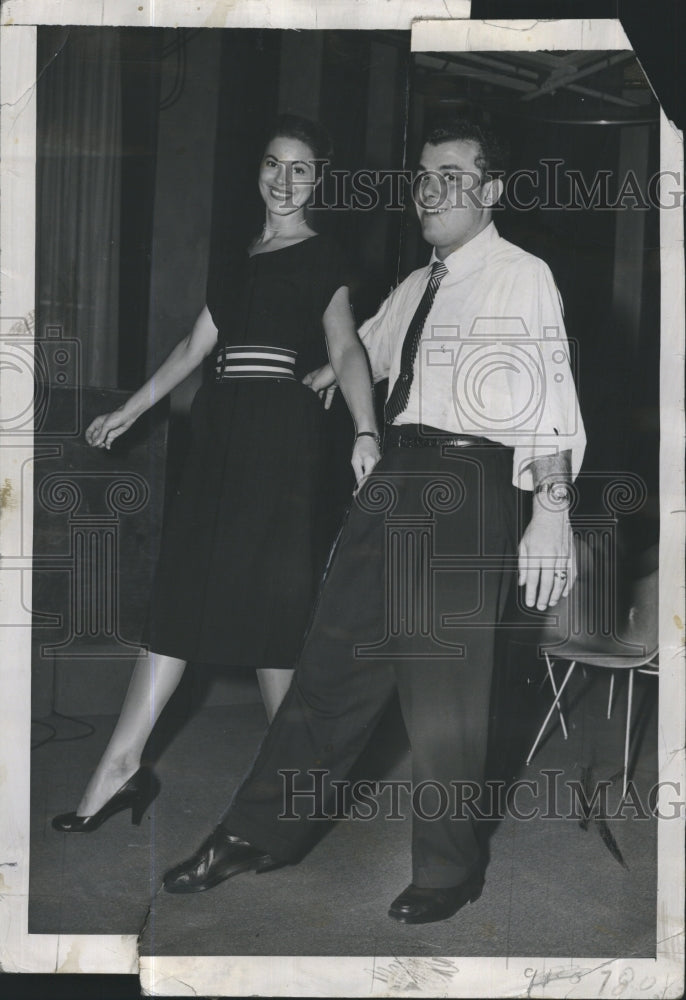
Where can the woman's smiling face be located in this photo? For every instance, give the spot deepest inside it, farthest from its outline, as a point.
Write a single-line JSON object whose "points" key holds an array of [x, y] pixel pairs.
{"points": [[287, 175]]}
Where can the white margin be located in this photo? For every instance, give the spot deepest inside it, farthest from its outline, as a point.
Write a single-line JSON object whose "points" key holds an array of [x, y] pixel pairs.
{"points": [[313, 14]]}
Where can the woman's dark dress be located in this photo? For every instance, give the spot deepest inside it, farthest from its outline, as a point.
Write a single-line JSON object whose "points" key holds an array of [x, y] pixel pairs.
{"points": [[249, 529]]}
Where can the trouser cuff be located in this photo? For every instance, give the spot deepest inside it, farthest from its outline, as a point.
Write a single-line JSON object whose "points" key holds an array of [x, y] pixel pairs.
{"points": [[280, 848], [441, 876]]}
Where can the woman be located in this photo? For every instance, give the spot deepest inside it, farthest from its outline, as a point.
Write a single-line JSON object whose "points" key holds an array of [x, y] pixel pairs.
{"points": [[246, 538]]}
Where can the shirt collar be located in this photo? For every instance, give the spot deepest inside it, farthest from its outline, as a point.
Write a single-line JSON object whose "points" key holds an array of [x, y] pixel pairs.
{"points": [[466, 257]]}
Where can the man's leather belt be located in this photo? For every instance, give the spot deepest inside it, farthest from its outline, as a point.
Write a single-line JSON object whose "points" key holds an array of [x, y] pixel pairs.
{"points": [[421, 436]]}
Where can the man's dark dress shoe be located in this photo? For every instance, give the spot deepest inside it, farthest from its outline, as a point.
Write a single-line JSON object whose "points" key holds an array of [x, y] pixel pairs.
{"points": [[219, 857], [424, 906]]}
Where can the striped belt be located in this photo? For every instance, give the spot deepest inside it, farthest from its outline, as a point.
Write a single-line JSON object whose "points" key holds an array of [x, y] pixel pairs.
{"points": [[255, 361]]}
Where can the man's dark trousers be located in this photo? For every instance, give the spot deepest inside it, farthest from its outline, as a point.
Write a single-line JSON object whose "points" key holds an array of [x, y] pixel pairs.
{"points": [[432, 533]]}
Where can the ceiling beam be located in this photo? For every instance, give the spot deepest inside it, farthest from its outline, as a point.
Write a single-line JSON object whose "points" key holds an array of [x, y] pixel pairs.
{"points": [[555, 82]]}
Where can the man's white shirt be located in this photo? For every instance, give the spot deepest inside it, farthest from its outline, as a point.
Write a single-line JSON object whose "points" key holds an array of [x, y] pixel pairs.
{"points": [[493, 360]]}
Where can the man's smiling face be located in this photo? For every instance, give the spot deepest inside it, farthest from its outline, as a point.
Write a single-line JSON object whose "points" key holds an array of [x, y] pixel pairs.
{"points": [[452, 199]]}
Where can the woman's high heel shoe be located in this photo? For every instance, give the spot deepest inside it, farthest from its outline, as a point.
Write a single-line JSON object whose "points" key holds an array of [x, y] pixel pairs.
{"points": [[137, 794]]}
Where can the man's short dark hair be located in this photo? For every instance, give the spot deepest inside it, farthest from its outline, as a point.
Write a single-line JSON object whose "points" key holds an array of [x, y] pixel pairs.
{"points": [[493, 151]]}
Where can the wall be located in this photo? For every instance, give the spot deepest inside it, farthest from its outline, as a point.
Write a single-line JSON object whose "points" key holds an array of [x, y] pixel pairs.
{"points": [[183, 196]]}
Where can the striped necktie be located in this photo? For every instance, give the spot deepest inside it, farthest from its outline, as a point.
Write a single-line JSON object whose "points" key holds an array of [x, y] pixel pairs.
{"points": [[398, 399]]}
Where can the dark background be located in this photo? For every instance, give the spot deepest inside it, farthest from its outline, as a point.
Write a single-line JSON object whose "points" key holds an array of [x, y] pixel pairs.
{"points": [[657, 34]]}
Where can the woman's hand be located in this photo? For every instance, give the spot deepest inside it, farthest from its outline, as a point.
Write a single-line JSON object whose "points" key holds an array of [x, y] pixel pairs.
{"points": [[366, 453], [323, 382], [106, 428], [177, 366]]}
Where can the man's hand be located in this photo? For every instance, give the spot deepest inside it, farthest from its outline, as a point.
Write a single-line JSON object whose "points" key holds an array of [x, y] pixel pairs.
{"points": [[323, 382], [547, 567]]}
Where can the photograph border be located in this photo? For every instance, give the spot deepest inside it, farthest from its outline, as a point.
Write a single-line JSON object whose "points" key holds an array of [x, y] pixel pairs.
{"points": [[302, 975]]}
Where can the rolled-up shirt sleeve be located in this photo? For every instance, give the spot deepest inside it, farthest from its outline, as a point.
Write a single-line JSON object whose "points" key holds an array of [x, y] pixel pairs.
{"points": [[545, 409]]}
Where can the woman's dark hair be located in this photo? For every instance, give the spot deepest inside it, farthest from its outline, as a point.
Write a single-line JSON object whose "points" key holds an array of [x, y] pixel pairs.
{"points": [[304, 130], [493, 151]]}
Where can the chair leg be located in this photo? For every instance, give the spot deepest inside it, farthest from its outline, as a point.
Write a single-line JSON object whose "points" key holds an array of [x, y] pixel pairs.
{"points": [[612, 691], [555, 692], [552, 708], [627, 734]]}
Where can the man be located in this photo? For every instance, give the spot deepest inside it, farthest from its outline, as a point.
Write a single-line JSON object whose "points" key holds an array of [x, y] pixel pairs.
{"points": [[481, 407]]}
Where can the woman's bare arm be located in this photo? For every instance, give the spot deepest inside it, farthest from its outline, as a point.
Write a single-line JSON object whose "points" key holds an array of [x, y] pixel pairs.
{"points": [[184, 358], [351, 368]]}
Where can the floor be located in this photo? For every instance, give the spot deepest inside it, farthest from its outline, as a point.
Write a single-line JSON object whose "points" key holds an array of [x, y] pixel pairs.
{"points": [[554, 886]]}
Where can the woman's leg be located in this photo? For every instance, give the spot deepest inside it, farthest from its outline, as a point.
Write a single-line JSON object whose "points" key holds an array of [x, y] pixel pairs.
{"points": [[273, 686], [155, 678]]}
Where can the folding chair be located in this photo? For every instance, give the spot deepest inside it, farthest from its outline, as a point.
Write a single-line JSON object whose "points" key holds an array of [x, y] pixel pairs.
{"points": [[632, 646]]}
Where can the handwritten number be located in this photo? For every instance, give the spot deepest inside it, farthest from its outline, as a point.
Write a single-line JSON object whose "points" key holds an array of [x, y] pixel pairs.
{"points": [[607, 975], [625, 978]]}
